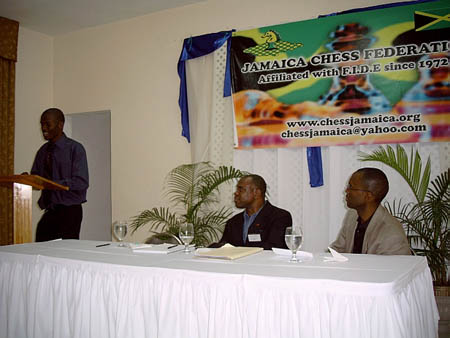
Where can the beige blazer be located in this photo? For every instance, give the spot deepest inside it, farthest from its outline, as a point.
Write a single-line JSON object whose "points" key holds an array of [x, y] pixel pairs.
{"points": [[384, 234]]}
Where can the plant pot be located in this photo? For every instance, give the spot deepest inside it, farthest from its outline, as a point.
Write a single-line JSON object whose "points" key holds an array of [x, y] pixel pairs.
{"points": [[441, 290], [442, 294]]}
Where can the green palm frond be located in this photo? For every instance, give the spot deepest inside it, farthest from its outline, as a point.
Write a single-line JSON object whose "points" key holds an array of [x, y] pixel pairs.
{"points": [[402, 211], [425, 222], [204, 233], [217, 217], [439, 188], [182, 181], [410, 170], [209, 183], [193, 190], [166, 237], [158, 218], [428, 221], [208, 226]]}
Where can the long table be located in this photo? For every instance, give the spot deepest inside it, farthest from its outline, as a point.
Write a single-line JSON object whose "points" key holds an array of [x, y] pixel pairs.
{"points": [[72, 288]]}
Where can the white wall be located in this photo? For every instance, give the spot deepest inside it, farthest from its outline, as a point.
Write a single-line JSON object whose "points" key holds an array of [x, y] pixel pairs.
{"points": [[129, 68]]}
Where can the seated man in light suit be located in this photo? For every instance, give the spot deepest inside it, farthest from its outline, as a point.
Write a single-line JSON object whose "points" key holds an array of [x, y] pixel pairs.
{"points": [[368, 227], [261, 224]]}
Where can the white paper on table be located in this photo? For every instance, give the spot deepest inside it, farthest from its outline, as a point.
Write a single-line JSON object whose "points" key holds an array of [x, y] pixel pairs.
{"points": [[287, 252], [155, 248], [335, 256]]}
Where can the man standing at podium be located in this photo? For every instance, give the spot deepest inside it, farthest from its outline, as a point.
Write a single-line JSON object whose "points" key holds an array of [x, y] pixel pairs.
{"points": [[63, 161]]}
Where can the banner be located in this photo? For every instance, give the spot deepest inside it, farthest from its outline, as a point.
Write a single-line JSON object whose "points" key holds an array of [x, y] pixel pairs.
{"points": [[379, 76]]}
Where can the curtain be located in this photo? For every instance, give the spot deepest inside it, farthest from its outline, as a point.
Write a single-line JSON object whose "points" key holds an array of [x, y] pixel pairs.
{"points": [[195, 47], [319, 211], [210, 114], [209, 118], [8, 57]]}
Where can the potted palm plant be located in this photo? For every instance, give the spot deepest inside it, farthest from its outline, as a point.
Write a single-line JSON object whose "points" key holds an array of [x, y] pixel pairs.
{"points": [[193, 190], [425, 220]]}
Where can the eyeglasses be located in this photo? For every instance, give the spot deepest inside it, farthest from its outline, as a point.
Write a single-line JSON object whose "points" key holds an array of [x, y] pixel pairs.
{"points": [[350, 188]]}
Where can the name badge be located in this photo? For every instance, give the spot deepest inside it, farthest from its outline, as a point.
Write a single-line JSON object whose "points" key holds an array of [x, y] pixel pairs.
{"points": [[254, 237]]}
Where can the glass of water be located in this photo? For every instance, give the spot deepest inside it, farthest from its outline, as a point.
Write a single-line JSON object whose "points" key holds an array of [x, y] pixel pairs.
{"points": [[186, 235], [293, 237], [120, 231]]}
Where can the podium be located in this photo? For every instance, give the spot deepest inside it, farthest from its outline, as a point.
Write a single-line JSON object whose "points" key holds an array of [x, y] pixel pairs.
{"points": [[21, 195]]}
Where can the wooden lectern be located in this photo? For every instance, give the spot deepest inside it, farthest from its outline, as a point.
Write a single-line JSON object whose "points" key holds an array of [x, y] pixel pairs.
{"points": [[21, 186]]}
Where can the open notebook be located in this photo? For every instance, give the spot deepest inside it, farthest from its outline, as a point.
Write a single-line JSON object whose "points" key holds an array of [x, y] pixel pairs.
{"points": [[227, 252]]}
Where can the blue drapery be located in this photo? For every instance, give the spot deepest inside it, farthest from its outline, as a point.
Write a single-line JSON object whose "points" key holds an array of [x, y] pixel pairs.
{"points": [[195, 47], [314, 156]]}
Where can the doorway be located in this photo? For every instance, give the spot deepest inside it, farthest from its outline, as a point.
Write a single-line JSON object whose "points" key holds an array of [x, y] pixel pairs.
{"points": [[93, 131]]}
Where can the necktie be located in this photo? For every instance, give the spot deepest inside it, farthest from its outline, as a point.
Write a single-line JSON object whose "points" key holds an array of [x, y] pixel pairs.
{"points": [[48, 173], [48, 164]]}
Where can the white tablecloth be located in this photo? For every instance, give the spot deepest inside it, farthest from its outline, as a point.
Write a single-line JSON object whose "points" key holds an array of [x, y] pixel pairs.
{"points": [[74, 289]]}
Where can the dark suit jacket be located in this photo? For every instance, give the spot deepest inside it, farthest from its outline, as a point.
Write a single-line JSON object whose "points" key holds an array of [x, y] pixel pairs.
{"points": [[270, 224]]}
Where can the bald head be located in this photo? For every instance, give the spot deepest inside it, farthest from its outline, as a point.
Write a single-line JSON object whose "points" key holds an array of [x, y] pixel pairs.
{"points": [[258, 181], [52, 124], [54, 113], [375, 181]]}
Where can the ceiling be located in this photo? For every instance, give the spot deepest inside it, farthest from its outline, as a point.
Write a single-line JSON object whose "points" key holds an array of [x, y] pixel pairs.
{"points": [[57, 17]]}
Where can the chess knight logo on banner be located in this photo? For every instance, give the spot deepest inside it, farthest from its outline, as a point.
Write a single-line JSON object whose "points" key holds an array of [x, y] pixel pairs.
{"points": [[273, 46]]}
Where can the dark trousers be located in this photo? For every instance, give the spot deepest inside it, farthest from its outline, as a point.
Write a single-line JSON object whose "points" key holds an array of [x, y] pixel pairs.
{"points": [[61, 221]]}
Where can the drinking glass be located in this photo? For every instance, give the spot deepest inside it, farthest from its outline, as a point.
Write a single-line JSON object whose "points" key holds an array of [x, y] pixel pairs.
{"points": [[186, 235], [293, 238], [120, 231]]}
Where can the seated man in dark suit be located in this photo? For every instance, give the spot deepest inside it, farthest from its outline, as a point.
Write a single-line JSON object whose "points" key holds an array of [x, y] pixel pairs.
{"points": [[261, 224], [368, 227]]}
